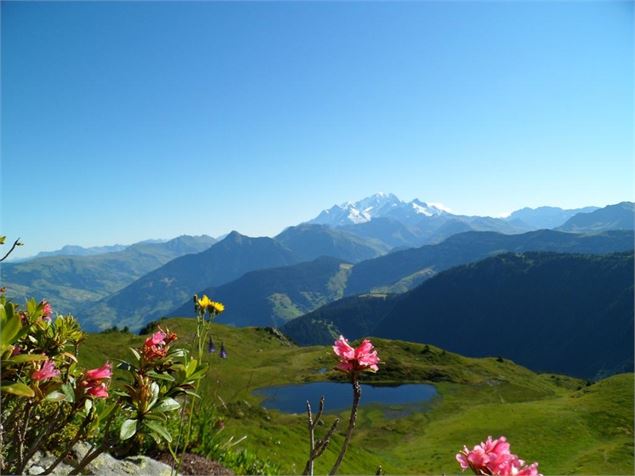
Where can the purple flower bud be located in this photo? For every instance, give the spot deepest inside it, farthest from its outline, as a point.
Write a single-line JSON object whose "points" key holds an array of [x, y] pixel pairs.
{"points": [[211, 347]]}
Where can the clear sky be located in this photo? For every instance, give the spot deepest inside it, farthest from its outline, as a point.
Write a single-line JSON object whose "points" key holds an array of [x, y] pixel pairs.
{"points": [[127, 121]]}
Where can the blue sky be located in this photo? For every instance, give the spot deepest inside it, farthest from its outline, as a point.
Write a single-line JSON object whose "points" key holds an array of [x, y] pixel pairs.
{"points": [[127, 121]]}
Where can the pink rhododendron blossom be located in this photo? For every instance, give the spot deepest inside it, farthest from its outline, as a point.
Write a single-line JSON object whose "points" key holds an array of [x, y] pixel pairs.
{"points": [[154, 346], [494, 457], [105, 371], [93, 381], [46, 371], [99, 390], [362, 358], [158, 338], [157, 345], [47, 311]]}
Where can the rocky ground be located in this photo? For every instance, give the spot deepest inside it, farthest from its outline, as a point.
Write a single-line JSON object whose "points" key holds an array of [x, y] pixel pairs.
{"points": [[107, 465]]}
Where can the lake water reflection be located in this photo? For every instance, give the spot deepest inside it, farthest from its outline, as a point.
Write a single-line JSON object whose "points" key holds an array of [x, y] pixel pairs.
{"points": [[338, 396]]}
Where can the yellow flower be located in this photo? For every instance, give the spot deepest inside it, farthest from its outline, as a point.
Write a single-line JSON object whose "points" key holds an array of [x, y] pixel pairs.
{"points": [[217, 307], [204, 302]]}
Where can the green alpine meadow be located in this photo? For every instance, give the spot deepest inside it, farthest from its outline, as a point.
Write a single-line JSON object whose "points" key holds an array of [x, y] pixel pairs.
{"points": [[570, 425]]}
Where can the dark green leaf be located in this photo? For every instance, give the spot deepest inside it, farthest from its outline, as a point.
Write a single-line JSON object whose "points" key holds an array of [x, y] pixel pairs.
{"points": [[69, 393], [158, 428], [191, 367], [160, 376]]}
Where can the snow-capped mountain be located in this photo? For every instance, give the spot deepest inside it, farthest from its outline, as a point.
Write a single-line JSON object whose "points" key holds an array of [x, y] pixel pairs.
{"points": [[379, 205]]}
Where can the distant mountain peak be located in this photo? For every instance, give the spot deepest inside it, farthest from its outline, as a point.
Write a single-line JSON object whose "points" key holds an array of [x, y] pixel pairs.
{"points": [[234, 236], [378, 205]]}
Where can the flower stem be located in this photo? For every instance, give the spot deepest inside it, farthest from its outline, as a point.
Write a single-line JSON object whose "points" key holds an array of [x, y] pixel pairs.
{"points": [[80, 433], [357, 395], [94, 452], [201, 334]]}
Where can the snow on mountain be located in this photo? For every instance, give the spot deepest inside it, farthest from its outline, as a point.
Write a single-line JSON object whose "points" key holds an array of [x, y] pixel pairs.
{"points": [[376, 206], [427, 209]]}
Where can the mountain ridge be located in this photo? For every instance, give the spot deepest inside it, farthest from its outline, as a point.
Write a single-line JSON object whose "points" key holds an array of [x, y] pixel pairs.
{"points": [[461, 248], [619, 216], [163, 289], [557, 312], [273, 296], [69, 281]]}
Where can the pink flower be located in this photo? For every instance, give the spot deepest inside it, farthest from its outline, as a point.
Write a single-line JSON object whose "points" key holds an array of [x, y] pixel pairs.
{"points": [[100, 390], [494, 457], [362, 358], [157, 345], [46, 371], [158, 338], [47, 310], [105, 371], [93, 381]]}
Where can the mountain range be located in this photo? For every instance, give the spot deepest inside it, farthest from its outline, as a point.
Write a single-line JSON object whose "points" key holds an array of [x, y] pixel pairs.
{"points": [[70, 281], [545, 217], [274, 296], [75, 250], [378, 247], [397, 223], [404, 269], [379, 205], [167, 287], [271, 297], [552, 312], [383, 205], [161, 290]]}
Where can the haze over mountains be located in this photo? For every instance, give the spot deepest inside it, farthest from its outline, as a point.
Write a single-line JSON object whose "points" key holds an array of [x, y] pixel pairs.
{"points": [[161, 290], [70, 281], [358, 258], [545, 217]]}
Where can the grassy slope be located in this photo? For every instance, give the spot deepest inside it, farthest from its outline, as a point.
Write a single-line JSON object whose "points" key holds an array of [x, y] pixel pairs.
{"points": [[558, 421]]}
